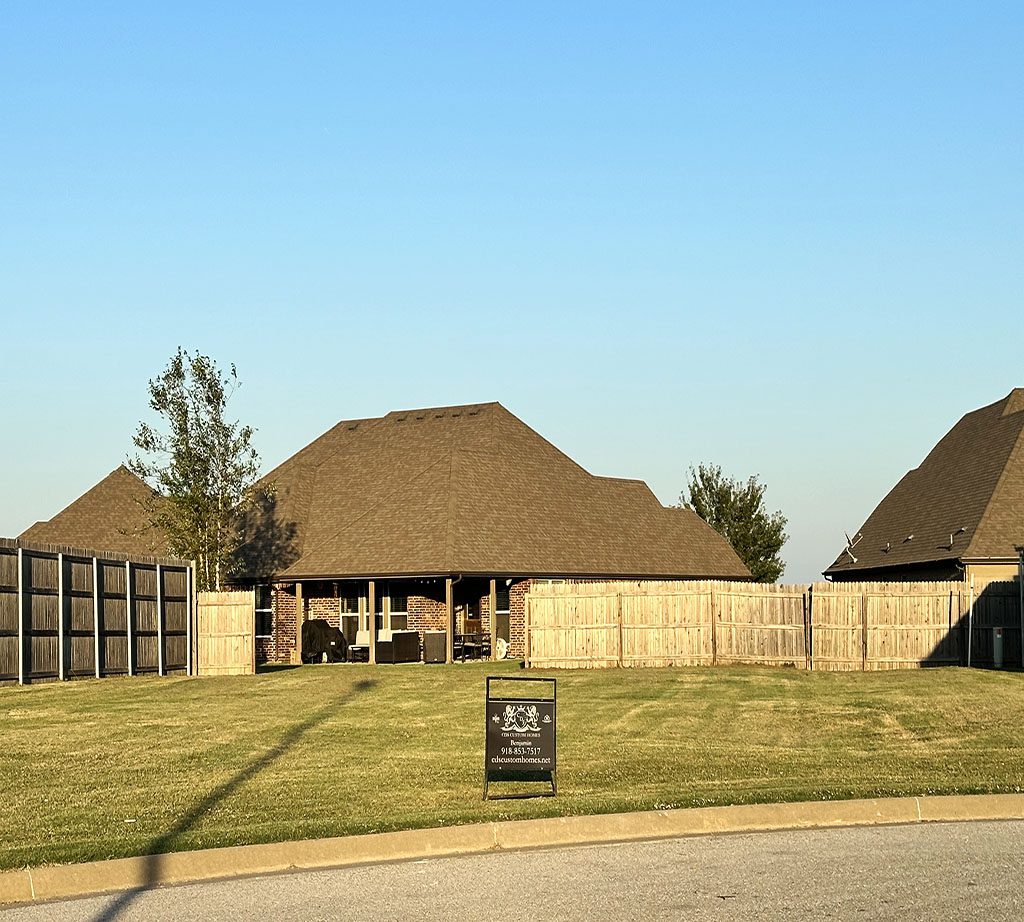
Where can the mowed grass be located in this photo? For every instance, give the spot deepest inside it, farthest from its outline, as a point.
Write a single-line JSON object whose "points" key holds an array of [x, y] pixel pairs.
{"points": [[116, 767]]}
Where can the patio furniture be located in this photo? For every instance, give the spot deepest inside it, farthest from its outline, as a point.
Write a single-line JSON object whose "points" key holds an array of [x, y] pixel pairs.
{"points": [[472, 646], [359, 652], [402, 647], [407, 646], [434, 646]]}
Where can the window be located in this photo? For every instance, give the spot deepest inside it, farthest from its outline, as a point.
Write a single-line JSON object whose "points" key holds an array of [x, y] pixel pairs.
{"points": [[349, 627], [501, 615], [264, 611], [399, 609], [348, 604]]}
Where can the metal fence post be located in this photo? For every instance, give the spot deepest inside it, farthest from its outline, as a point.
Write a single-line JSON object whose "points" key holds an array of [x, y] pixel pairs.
{"points": [[128, 615], [21, 617], [61, 631], [96, 613], [159, 620], [189, 613]]}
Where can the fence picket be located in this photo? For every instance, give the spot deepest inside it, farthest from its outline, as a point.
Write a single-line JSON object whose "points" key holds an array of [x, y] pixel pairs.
{"points": [[831, 626]]}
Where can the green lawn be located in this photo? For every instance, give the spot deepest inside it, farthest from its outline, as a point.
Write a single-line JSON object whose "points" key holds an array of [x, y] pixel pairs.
{"points": [[115, 767]]}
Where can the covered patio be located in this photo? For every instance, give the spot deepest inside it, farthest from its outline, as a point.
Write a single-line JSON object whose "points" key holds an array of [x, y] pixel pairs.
{"points": [[434, 619]]}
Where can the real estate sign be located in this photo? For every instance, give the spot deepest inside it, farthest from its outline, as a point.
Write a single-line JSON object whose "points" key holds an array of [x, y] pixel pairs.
{"points": [[520, 735]]}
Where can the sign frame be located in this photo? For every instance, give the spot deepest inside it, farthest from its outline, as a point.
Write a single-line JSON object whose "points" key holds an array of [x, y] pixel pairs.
{"points": [[533, 725]]}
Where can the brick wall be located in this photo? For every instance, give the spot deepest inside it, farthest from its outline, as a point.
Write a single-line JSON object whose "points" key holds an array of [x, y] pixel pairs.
{"points": [[517, 593], [427, 612], [279, 647]]}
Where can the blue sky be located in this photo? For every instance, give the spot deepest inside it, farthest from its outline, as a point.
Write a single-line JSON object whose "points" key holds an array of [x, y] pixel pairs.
{"points": [[786, 238]]}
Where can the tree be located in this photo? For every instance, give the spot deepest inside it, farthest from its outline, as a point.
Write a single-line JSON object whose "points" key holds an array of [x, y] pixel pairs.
{"points": [[736, 511], [201, 466]]}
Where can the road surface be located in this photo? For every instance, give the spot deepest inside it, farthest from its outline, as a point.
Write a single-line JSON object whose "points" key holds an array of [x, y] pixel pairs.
{"points": [[956, 871]]}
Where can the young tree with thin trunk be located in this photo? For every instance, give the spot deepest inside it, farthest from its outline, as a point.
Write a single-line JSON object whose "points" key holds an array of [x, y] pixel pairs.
{"points": [[735, 509], [202, 466]]}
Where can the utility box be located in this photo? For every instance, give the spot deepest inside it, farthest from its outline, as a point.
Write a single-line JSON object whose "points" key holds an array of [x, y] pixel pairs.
{"points": [[997, 647]]}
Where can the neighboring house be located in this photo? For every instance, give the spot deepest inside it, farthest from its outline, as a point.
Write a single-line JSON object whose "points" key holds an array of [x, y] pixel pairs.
{"points": [[439, 516], [442, 511], [109, 517], [957, 516]]}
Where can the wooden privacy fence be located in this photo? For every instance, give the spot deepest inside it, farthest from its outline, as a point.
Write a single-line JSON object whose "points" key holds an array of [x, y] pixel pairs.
{"points": [[67, 612], [831, 626], [226, 633]]}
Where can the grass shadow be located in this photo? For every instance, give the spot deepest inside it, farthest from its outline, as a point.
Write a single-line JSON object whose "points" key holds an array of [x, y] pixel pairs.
{"points": [[159, 845]]}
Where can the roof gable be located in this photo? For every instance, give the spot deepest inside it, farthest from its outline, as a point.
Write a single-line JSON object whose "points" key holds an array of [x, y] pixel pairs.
{"points": [[111, 516], [966, 499]]}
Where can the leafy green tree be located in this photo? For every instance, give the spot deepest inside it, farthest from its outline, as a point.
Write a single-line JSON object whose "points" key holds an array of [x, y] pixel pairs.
{"points": [[202, 466], [736, 511]]}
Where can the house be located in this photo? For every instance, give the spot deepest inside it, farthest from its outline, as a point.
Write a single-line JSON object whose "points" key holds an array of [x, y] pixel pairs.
{"points": [[426, 520], [959, 515], [110, 516], [437, 517]]}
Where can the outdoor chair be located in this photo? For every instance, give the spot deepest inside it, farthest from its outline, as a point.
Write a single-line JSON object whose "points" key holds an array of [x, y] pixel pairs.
{"points": [[359, 652], [471, 647]]}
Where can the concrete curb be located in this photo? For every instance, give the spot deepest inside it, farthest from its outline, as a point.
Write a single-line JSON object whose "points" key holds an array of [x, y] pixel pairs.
{"points": [[76, 880]]}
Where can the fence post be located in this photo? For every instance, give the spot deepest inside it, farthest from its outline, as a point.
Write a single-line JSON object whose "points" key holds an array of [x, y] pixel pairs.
{"points": [[618, 615], [190, 613], [96, 612], [810, 627], [128, 615], [526, 630], [1020, 600], [714, 630], [61, 632], [807, 641], [949, 628], [21, 617], [970, 624], [160, 659], [864, 630]]}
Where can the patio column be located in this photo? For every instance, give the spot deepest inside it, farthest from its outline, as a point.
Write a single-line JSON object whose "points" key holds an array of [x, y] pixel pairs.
{"points": [[371, 620], [449, 641], [493, 616], [300, 618]]}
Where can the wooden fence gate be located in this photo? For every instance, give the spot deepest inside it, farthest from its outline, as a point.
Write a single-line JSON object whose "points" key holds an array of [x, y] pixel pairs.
{"points": [[226, 633]]}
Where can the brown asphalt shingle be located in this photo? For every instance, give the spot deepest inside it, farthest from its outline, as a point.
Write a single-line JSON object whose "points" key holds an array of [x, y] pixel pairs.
{"points": [[473, 490], [108, 517], [973, 479]]}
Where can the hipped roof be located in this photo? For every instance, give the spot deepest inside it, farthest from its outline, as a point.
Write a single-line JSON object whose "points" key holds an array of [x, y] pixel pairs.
{"points": [[111, 516], [467, 489], [964, 502]]}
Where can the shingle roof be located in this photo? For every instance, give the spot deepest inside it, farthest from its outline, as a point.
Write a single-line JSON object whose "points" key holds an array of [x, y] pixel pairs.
{"points": [[108, 517], [969, 489], [467, 489]]}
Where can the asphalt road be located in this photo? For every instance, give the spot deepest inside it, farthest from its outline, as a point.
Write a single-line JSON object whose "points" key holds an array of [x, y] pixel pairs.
{"points": [[944, 871]]}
